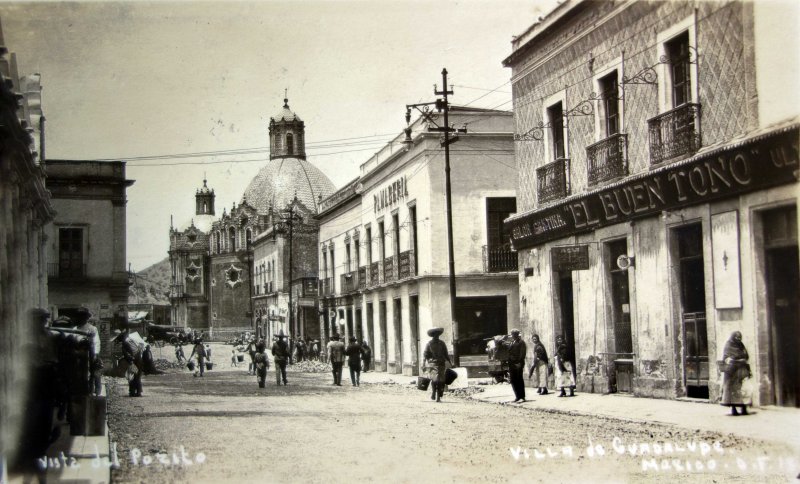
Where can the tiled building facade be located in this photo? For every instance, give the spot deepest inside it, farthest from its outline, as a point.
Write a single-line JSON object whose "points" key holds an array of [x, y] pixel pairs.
{"points": [[657, 192]]}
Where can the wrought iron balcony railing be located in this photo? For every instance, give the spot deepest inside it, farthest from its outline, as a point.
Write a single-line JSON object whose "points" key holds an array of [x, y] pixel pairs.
{"points": [[405, 265], [499, 259], [326, 286], [607, 159], [390, 269], [56, 270], [349, 282], [362, 277], [674, 133], [552, 180]]}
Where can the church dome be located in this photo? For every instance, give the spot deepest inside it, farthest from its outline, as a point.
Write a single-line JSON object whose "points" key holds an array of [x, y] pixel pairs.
{"points": [[281, 179]]}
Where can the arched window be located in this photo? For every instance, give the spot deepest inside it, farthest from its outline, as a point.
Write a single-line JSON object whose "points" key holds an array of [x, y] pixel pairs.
{"points": [[205, 207], [289, 143], [219, 242], [232, 239]]}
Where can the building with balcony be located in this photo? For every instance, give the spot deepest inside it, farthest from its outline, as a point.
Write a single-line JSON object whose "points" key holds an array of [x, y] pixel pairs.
{"points": [[383, 243], [86, 242], [657, 198], [218, 282], [26, 210]]}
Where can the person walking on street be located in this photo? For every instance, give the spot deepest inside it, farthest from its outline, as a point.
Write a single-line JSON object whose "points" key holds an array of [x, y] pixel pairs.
{"points": [[336, 357], [261, 364], [199, 350], [133, 356], [539, 367], [437, 357], [280, 353], [517, 350], [251, 350], [366, 355], [735, 371], [353, 352], [563, 369]]}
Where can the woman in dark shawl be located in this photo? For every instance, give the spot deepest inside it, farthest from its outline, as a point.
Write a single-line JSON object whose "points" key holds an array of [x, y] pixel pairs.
{"points": [[539, 367], [735, 370]]}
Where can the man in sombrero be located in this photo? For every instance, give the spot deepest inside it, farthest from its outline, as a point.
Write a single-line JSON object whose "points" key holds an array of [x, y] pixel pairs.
{"points": [[436, 356], [280, 353]]}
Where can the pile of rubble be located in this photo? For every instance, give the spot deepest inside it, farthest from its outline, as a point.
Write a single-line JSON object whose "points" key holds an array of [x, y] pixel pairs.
{"points": [[466, 392], [310, 366], [164, 364]]}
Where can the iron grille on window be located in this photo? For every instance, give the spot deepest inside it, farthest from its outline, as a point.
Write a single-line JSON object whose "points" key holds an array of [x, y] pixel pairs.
{"points": [[374, 273], [405, 265], [553, 180], [608, 159], [674, 133], [349, 282], [362, 277]]}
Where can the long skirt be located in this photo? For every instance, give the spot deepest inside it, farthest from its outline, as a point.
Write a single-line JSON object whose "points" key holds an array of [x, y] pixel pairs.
{"points": [[564, 379], [539, 377], [732, 392]]}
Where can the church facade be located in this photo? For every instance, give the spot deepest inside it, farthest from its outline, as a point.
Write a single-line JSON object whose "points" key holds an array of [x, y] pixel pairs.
{"points": [[215, 280]]}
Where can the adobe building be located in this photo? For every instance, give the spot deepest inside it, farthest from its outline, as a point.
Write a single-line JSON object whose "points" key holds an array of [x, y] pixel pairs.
{"points": [[216, 281], [383, 244], [658, 190]]}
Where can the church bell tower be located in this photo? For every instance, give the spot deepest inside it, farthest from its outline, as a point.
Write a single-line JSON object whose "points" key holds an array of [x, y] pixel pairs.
{"points": [[204, 200], [287, 134]]}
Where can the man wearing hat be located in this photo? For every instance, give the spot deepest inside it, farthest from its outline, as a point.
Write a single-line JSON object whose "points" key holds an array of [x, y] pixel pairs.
{"points": [[336, 357], [436, 355], [94, 364], [353, 353], [280, 353], [516, 365]]}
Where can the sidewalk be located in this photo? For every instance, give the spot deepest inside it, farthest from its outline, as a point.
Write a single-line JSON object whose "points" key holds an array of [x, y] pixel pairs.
{"points": [[774, 424]]}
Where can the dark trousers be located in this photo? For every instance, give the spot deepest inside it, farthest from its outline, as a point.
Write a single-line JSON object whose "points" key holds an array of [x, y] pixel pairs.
{"points": [[135, 385], [437, 389], [262, 378], [355, 374], [517, 381], [280, 372], [337, 372]]}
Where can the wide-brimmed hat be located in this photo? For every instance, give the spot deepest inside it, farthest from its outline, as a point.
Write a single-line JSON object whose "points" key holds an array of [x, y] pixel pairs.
{"points": [[280, 334], [435, 331], [335, 336]]}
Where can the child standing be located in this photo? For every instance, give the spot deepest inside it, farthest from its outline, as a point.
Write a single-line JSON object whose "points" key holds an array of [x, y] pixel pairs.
{"points": [[233, 359]]}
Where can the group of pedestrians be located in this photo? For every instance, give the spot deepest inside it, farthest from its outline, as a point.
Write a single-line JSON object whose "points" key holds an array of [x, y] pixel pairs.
{"points": [[355, 353], [541, 367]]}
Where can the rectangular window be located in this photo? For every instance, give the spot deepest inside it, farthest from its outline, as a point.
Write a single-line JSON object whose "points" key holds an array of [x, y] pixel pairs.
{"points": [[382, 240], [555, 116], [369, 245], [678, 58], [357, 253], [396, 235], [347, 267], [412, 218], [497, 210], [70, 252], [324, 264], [333, 265], [609, 99]]}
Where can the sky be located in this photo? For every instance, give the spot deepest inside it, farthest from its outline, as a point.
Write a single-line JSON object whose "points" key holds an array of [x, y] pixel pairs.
{"points": [[149, 82]]}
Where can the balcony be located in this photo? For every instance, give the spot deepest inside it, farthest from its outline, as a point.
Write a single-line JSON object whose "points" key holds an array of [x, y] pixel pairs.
{"points": [[405, 265], [499, 259], [362, 277], [389, 269], [375, 274], [349, 282], [607, 159], [176, 291], [674, 133], [552, 181], [66, 271]]}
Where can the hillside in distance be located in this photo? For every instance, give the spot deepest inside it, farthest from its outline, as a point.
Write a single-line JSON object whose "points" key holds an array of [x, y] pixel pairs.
{"points": [[151, 285]]}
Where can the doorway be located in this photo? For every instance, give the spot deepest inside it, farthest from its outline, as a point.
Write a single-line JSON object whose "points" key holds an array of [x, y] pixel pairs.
{"points": [[370, 324], [358, 330], [620, 335], [567, 311], [413, 324], [479, 318], [694, 334], [397, 321], [783, 287], [382, 324]]}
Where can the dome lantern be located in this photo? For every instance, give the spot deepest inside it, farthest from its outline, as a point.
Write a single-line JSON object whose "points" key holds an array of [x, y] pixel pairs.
{"points": [[286, 134]]}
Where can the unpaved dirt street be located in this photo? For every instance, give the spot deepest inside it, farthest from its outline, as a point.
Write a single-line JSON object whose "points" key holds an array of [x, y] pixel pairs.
{"points": [[223, 428]]}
